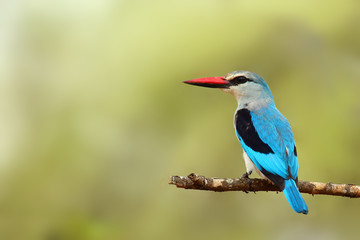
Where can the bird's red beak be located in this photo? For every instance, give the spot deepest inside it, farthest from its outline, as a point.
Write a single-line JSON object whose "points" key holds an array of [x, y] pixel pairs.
{"points": [[211, 82]]}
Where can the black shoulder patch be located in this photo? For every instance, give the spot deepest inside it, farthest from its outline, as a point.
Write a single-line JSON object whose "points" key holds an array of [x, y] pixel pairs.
{"points": [[248, 134], [295, 152]]}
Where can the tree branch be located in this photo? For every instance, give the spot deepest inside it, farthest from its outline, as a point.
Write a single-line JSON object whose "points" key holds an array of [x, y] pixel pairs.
{"points": [[194, 181]]}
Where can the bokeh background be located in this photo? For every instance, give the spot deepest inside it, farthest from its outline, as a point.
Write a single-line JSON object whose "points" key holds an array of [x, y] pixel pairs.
{"points": [[94, 117]]}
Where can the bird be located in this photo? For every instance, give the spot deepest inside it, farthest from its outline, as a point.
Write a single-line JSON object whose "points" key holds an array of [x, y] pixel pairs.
{"points": [[264, 133]]}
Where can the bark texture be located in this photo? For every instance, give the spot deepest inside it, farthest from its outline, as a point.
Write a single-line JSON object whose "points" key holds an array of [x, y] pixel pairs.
{"points": [[194, 181]]}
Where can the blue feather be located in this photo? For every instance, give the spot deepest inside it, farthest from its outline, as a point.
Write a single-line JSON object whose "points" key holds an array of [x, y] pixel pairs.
{"points": [[293, 196], [275, 130]]}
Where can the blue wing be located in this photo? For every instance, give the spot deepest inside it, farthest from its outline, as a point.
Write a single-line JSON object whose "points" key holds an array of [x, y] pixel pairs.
{"points": [[267, 138]]}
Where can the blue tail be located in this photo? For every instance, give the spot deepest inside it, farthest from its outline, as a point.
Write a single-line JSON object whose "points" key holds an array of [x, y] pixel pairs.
{"points": [[293, 196]]}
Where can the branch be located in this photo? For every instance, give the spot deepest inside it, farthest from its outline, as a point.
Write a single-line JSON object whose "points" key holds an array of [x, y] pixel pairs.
{"points": [[197, 182]]}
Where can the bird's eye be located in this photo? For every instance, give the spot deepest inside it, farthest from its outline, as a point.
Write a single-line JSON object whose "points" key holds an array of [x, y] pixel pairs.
{"points": [[239, 80]]}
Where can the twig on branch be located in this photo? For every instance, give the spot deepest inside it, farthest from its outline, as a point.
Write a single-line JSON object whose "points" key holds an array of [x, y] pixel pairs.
{"points": [[194, 181]]}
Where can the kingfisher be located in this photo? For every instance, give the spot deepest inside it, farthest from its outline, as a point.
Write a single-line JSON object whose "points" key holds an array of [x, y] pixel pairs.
{"points": [[264, 133]]}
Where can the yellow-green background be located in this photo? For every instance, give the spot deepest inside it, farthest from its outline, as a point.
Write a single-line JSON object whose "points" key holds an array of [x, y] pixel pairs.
{"points": [[94, 117]]}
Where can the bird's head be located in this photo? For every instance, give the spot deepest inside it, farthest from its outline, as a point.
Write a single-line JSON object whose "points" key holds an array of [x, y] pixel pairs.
{"points": [[245, 86]]}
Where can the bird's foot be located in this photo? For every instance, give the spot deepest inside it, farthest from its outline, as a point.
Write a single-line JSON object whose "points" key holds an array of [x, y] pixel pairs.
{"points": [[246, 174]]}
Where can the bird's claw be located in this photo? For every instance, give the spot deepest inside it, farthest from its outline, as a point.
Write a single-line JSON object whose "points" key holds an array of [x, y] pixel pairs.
{"points": [[246, 175]]}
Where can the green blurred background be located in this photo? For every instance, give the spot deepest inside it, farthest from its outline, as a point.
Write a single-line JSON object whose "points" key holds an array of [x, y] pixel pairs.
{"points": [[94, 117]]}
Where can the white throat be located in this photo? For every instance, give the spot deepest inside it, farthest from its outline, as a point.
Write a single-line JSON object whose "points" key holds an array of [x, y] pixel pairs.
{"points": [[251, 96]]}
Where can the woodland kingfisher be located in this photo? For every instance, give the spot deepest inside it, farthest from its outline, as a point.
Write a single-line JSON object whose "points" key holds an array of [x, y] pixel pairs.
{"points": [[264, 133]]}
